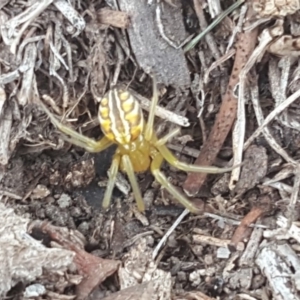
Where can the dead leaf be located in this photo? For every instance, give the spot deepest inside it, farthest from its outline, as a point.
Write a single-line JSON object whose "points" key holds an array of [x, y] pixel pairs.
{"points": [[25, 258]]}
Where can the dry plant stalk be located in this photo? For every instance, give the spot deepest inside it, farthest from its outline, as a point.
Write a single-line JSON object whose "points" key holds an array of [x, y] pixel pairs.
{"points": [[242, 230], [238, 134], [227, 114]]}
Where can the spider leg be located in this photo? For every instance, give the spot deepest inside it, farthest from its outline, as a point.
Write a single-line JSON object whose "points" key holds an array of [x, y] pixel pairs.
{"points": [[76, 138], [161, 178], [167, 137], [172, 160], [131, 176], [154, 100], [112, 175], [88, 144]]}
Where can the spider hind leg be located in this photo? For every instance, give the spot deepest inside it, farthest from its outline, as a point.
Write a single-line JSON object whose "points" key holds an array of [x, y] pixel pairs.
{"points": [[161, 178], [112, 176], [173, 161], [127, 165]]}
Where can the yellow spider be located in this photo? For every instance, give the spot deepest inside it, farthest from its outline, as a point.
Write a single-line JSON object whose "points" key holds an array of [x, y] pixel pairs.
{"points": [[122, 122]]}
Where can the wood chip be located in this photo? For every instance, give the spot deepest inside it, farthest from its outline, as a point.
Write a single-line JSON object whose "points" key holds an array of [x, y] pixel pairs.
{"points": [[278, 263], [164, 60], [254, 169], [113, 18]]}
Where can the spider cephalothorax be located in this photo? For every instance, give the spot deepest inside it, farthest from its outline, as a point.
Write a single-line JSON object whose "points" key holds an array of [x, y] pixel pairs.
{"points": [[122, 122]]}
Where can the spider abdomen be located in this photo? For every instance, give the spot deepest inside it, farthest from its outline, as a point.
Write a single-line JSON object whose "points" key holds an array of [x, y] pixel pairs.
{"points": [[120, 116]]}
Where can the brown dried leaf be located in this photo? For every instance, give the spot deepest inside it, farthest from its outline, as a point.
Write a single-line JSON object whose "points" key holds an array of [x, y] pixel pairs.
{"points": [[94, 269], [23, 258]]}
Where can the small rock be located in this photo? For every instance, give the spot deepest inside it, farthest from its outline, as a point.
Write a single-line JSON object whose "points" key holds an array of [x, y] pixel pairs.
{"points": [[34, 290], [64, 201], [181, 276], [40, 192], [223, 253], [195, 278], [208, 259]]}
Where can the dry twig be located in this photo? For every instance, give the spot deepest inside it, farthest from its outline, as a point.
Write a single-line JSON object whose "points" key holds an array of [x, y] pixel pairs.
{"points": [[227, 114]]}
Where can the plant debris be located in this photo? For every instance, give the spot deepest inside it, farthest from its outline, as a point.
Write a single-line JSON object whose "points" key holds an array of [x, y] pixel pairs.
{"points": [[152, 33], [228, 74]]}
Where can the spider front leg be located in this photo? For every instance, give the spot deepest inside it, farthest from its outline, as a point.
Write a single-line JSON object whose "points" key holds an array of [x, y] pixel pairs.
{"points": [[161, 178], [76, 138], [151, 116], [127, 165]]}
